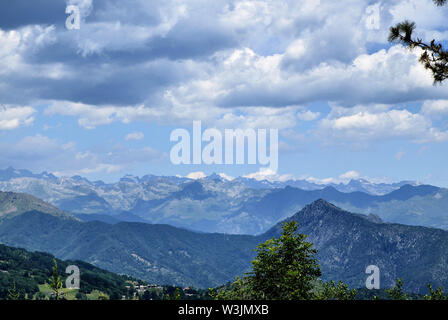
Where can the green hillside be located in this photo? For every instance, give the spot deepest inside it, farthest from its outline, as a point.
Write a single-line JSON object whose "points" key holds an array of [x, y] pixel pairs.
{"points": [[155, 253], [29, 272]]}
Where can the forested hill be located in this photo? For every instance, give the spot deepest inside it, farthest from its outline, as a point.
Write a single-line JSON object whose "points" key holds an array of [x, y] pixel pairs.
{"points": [[28, 272], [348, 242]]}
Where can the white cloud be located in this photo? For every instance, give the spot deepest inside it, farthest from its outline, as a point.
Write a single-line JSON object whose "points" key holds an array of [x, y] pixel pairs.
{"points": [[176, 113], [201, 175], [349, 175], [14, 117], [135, 136], [243, 78], [196, 175], [279, 55], [308, 115], [435, 107], [101, 167], [424, 13], [269, 175], [364, 124], [35, 146], [343, 178]]}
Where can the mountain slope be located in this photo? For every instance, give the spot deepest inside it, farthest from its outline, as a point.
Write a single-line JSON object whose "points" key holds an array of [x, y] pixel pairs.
{"points": [[13, 204], [27, 270], [163, 254], [156, 253], [348, 243]]}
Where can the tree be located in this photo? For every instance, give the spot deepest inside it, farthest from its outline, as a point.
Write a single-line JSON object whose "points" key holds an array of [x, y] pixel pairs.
{"points": [[434, 57], [103, 296], [55, 281], [331, 291], [239, 290], [177, 294], [396, 293], [284, 269], [435, 294], [13, 294]]}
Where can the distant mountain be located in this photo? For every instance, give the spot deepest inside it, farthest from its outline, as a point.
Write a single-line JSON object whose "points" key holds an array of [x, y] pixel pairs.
{"points": [[217, 204], [277, 205], [163, 254], [156, 253], [354, 185], [222, 207], [122, 217], [13, 204], [11, 173]]}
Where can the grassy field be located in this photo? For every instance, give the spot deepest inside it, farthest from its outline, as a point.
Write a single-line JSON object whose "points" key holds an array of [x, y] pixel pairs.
{"points": [[70, 294]]}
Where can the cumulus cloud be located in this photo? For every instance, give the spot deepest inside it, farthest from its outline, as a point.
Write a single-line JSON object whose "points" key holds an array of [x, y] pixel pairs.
{"points": [[238, 54], [14, 117], [363, 124], [435, 107], [387, 76], [231, 64], [176, 113]]}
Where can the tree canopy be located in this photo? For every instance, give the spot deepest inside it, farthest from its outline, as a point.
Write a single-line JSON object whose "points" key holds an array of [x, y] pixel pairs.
{"points": [[434, 57]]}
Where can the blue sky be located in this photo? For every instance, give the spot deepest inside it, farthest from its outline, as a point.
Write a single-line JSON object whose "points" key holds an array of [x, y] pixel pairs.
{"points": [[102, 101]]}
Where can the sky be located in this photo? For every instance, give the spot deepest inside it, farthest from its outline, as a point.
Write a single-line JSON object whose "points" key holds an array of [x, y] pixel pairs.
{"points": [[101, 101]]}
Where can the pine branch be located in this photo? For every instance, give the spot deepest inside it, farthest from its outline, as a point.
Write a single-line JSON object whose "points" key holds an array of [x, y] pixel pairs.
{"points": [[434, 56]]}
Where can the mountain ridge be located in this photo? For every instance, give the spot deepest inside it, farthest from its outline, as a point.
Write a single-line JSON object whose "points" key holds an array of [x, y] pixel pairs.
{"points": [[12, 204], [217, 204], [347, 243]]}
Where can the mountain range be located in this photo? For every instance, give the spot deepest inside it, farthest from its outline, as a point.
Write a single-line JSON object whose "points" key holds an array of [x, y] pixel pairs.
{"points": [[353, 185], [346, 242], [217, 204]]}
